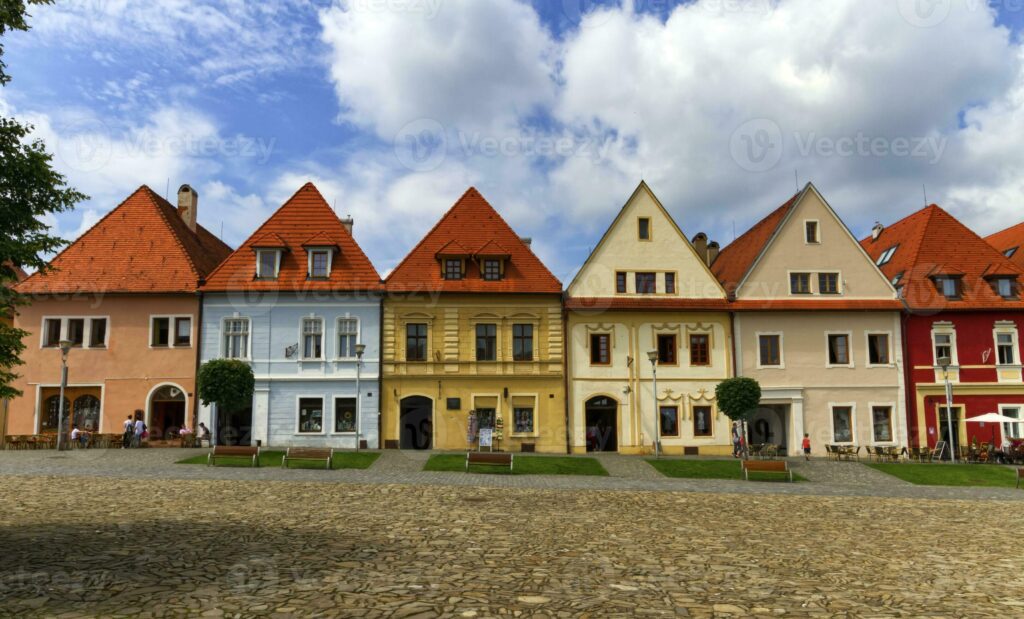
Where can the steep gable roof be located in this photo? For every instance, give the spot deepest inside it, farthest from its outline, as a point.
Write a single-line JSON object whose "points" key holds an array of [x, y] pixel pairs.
{"points": [[737, 258], [932, 242], [468, 226], [304, 216], [1011, 238], [142, 246]]}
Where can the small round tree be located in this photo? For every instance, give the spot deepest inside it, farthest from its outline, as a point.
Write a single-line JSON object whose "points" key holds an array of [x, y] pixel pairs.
{"points": [[738, 398], [228, 383]]}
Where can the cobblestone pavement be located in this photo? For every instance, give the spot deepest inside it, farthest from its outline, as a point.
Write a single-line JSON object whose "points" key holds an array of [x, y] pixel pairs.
{"points": [[109, 547]]}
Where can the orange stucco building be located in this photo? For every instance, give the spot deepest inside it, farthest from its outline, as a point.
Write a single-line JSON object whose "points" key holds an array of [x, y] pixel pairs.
{"points": [[125, 295]]}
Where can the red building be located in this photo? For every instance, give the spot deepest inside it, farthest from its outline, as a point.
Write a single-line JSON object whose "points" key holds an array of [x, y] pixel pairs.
{"points": [[962, 301]]}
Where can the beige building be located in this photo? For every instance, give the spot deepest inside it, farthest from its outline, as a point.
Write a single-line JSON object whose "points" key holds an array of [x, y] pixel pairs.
{"points": [[818, 326], [646, 291]]}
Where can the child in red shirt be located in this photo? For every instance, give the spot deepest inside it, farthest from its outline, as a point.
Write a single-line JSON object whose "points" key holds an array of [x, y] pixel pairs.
{"points": [[807, 446]]}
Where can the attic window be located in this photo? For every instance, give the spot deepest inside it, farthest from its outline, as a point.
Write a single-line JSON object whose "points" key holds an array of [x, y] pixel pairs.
{"points": [[319, 266], [268, 263], [452, 268], [644, 228], [950, 286], [886, 255], [896, 278], [811, 232], [1010, 252], [1005, 287], [492, 269]]}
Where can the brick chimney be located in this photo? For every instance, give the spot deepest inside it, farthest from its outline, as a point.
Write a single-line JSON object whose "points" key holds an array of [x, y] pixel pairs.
{"points": [[712, 252], [348, 222], [188, 205], [528, 241], [700, 243]]}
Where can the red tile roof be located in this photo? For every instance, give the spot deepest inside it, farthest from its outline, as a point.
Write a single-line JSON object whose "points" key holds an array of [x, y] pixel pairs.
{"points": [[19, 273], [306, 215], [1011, 238], [142, 246], [933, 242], [472, 224], [736, 258]]}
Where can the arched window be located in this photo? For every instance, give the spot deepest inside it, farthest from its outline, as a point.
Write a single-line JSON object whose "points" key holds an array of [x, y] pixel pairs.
{"points": [[51, 413], [87, 413]]}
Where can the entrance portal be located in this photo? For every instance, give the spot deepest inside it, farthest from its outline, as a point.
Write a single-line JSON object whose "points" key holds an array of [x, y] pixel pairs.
{"points": [[952, 441], [602, 415], [235, 428], [768, 425], [166, 413], [416, 423]]}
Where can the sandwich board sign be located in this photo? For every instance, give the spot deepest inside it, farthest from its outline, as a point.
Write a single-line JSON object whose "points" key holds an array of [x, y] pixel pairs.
{"points": [[486, 438]]}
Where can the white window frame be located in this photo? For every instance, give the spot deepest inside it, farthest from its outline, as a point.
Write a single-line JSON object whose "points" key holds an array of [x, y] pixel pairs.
{"points": [[1020, 415], [867, 349], [536, 414], [309, 261], [323, 413], [839, 284], [853, 423], [1006, 328], [86, 331], [277, 264], [892, 423], [817, 229], [302, 339], [334, 415], [172, 324], [338, 334], [782, 348], [849, 352], [224, 335], [945, 328]]}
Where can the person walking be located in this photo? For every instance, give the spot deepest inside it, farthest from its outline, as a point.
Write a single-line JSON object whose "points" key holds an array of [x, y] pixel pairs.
{"points": [[140, 427], [807, 446], [129, 430]]}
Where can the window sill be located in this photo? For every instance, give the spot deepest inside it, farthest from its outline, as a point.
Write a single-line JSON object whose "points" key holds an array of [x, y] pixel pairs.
{"points": [[348, 433], [309, 433], [880, 365], [839, 366], [771, 367], [524, 435]]}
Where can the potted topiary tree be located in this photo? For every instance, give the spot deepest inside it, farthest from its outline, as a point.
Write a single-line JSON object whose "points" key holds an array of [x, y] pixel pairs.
{"points": [[738, 398], [227, 383]]}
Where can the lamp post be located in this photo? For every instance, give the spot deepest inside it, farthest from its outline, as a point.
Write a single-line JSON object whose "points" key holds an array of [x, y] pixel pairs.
{"points": [[653, 356], [65, 348], [360, 349], [944, 363]]}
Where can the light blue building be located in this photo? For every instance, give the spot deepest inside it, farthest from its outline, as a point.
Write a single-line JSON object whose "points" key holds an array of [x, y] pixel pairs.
{"points": [[301, 303]]}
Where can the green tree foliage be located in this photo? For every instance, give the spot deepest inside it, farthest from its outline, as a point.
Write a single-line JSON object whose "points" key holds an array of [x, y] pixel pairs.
{"points": [[228, 383], [738, 397], [30, 189]]}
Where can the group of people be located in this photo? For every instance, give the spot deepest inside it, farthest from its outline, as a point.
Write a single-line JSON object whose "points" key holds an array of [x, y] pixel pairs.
{"points": [[135, 431], [739, 442]]}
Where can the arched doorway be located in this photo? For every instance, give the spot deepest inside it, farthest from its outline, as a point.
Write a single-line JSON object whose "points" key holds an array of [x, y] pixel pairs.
{"points": [[768, 425], [166, 412], [416, 423], [602, 414]]}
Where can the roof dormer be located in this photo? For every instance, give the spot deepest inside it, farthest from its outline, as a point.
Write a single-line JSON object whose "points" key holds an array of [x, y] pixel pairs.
{"points": [[320, 252], [453, 257], [269, 249], [491, 259]]}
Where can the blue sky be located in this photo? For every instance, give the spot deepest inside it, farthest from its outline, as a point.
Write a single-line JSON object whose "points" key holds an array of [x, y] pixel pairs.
{"points": [[554, 110]]}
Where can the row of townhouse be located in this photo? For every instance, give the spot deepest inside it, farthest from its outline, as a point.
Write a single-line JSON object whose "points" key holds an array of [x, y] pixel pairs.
{"points": [[471, 332]]}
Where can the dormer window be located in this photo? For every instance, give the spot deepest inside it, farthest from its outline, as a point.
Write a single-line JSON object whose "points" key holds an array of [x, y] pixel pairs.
{"points": [[492, 269], [949, 286], [897, 278], [319, 266], [1005, 287], [268, 263], [453, 268], [1010, 252], [811, 232], [886, 255]]}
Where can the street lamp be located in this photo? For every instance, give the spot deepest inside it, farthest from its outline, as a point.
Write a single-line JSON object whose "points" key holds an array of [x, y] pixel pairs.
{"points": [[65, 348], [653, 356], [944, 363], [360, 349]]}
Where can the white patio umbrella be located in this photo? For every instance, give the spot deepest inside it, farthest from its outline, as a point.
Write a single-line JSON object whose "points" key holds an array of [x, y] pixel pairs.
{"points": [[993, 418]]}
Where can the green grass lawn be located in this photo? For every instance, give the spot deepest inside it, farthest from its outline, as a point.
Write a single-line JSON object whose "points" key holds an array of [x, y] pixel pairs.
{"points": [[524, 465], [951, 474], [342, 460], [712, 469]]}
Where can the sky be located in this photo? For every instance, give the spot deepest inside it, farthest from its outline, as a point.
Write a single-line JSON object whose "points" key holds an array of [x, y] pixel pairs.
{"points": [[555, 110]]}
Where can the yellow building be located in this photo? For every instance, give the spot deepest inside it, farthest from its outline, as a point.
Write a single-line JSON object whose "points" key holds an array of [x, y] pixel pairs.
{"points": [[644, 306], [472, 340]]}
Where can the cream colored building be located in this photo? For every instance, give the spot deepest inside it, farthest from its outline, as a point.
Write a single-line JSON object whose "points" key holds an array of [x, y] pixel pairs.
{"points": [[818, 325], [645, 288]]}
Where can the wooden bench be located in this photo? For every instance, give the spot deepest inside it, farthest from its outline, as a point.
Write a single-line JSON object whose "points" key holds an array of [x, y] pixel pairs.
{"points": [[233, 451], [489, 459], [312, 454], [766, 466]]}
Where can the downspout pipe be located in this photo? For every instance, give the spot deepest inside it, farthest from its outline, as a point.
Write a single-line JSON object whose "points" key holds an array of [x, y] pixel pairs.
{"points": [[565, 374], [199, 358], [380, 370]]}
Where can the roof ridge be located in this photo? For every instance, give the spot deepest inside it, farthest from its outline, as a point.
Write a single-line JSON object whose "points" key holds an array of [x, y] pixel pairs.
{"points": [[159, 203], [423, 239]]}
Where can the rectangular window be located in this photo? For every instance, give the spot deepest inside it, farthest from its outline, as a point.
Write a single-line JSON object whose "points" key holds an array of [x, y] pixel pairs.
{"points": [[486, 342], [770, 350], [842, 424], [183, 331], [522, 420], [76, 331], [828, 283], [949, 287], [522, 342], [666, 349], [702, 421], [51, 333], [943, 346], [646, 283], [97, 333], [1005, 287], [620, 282], [266, 264], [700, 352], [453, 268], [485, 418], [236, 338], [800, 283], [1004, 348], [348, 337], [669, 420], [318, 261], [1012, 430], [492, 270], [344, 414], [599, 349], [312, 338], [311, 415], [811, 231], [670, 283], [839, 349], [878, 348], [881, 423], [161, 332], [416, 342], [644, 224]]}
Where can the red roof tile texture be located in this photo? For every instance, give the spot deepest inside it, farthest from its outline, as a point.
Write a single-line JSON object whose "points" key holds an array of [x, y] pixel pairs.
{"points": [[471, 224], [305, 216], [1011, 238], [932, 242], [142, 246], [737, 257]]}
